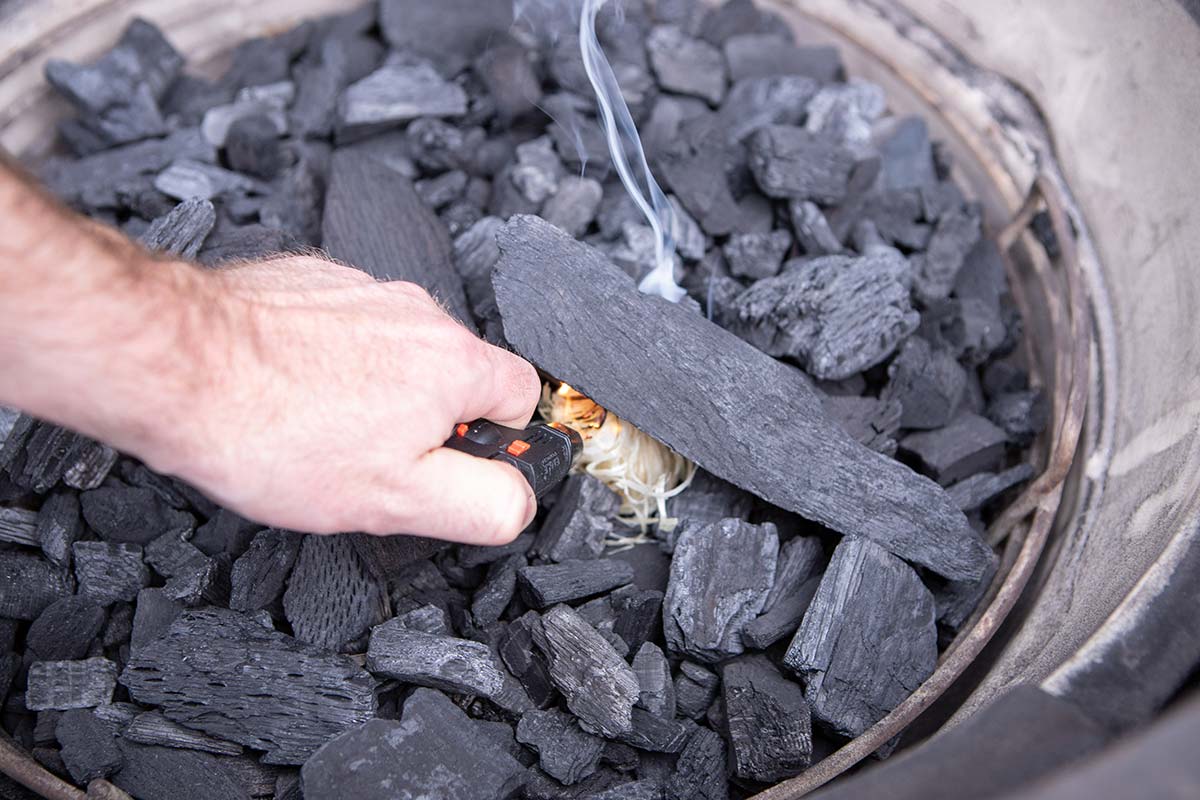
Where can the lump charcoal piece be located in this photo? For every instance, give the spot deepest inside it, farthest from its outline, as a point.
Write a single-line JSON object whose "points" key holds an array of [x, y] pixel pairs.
{"points": [[182, 231], [65, 630], [981, 286], [222, 673], [471, 556], [736, 17], [789, 162], [757, 255], [770, 727], [439, 192], [720, 578], [153, 614], [434, 747], [496, 591], [18, 526], [508, 75], [219, 120], [638, 614], [969, 444], [695, 689], [244, 243], [201, 580], [320, 79], [119, 626], [375, 221], [813, 233], [927, 383], [263, 61], [93, 462], [421, 583], [565, 751], [759, 55], [661, 128], [225, 532], [574, 204], [434, 144], [453, 31], [89, 745], [164, 773], [906, 154], [538, 170], [253, 146], [526, 662], [8, 421], [599, 687], [648, 789], [29, 584], [108, 571], [700, 772], [756, 103], [688, 172], [580, 298], [936, 269], [186, 179], [783, 619], [973, 493], [845, 112], [872, 422], [686, 65], [475, 253], [580, 520], [259, 574], [796, 575], [331, 599], [896, 215], [62, 685], [172, 554], [651, 567], [656, 691], [152, 728], [955, 601], [690, 241], [393, 94], [867, 641], [709, 499], [1021, 415], [387, 556], [38, 454], [656, 734], [428, 619], [839, 315], [545, 585], [134, 515]]}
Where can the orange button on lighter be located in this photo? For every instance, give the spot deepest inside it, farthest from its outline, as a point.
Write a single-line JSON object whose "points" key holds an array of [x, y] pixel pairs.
{"points": [[518, 448], [462, 429]]}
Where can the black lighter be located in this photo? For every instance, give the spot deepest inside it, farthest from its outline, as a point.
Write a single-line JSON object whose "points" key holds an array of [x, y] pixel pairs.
{"points": [[543, 453]]}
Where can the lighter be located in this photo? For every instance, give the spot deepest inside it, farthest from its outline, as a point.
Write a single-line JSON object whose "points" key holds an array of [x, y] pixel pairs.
{"points": [[542, 453]]}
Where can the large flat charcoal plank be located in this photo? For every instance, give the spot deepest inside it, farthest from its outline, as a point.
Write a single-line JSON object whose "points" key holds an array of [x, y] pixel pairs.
{"points": [[452, 31], [222, 673], [969, 444], [396, 93], [18, 526], [166, 773], [62, 685], [181, 231], [789, 162], [259, 574], [686, 65], [59, 526], [548, 584], [581, 300], [332, 600], [65, 630], [580, 520], [434, 747], [496, 591], [151, 727], [656, 691], [867, 641], [700, 772], [375, 220], [137, 515], [565, 751], [108, 571], [770, 727], [599, 686], [720, 578], [89, 745], [765, 55], [29, 583]]}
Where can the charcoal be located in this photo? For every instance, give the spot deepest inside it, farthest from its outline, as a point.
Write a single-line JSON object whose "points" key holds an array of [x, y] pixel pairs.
{"points": [[621, 757], [65, 630], [688, 172], [153, 615], [225, 532], [695, 688], [525, 661], [44, 728], [720, 577], [496, 591], [10, 665], [29, 584], [973, 493], [186, 179], [172, 554], [657, 734], [867, 641], [89, 746], [435, 145], [565, 751], [579, 521], [709, 499], [757, 255], [844, 112], [796, 576], [434, 744], [690, 241], [470, 556], [319, 82], [439, 192], [955, 601], [421, 583], [757, 55], [8, 421], [656, 691], [259, 574], [38, 455], [936, 269], [135, 515], [393, 94], [109, 571], [937, 199], [599, 687], [577, 137], [263, 61], [387, 556], [452, 32], [165, 773], [906, 153], [253, 146], [428, 619], [119, 626], [1021, 415], [18, 526], [62, 685], [770, 727], [375, 220], [189, 97], [332, 599], [686, 65], [507, 73], [736, 17], [151, 727], [545, 585], [661, 129], [980, 286], [244, 243], [538, 170], [755, 103], [782, 619], [574, 204], [205, 579], [648, 789], [591, 298], [813, 233], [969, 444], [182, 231], [8, 634], [224, 674], [790, 162], [219, 120], [838, 314], [651, 567], [638, 614], [927, 383], [872, 422], [700, 772]]}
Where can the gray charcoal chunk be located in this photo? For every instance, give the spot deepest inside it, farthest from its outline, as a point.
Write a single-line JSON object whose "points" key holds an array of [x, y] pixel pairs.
{"points": [[928, 384], [388, 556], [757, 255], [687, 170], [845, 112], [580, 298], [755, 103], [151, 727], [332, 599], [62, 685], [230, 243], [319, 82], [524, 660], [65, 630], [955, 601], [789, 162], [224, 674], [574, 205], [648, 789], [600, 688], [439, 192], [764, 55], [638, 614], [152, 617], [496, 591], [973, 493], [735, 17], [686, 65], [695, 689], [253, 146], [434, 747], [812, 229], [800, 558], [782, 620], [220, 119], [657, 734], [136, 515], [471, 556], [580, 520], [29, 583], [109, 571], [396, 93], [867, 641], [538, 170], [475, 253], [428, 619], [700, 772], [969, 444], [906, 154], [548, 584], [259, 574], [18, 526], [506, 69], [709, 499], [172, 554], [89, 745], [1021, 415], [44, 455], [166, 773], [565, 751], [871, 421], [720, 578], [182, 230], [452, 31], [770, 727], [936, 270], [186, 179], [839, 315], [656, 692]]}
